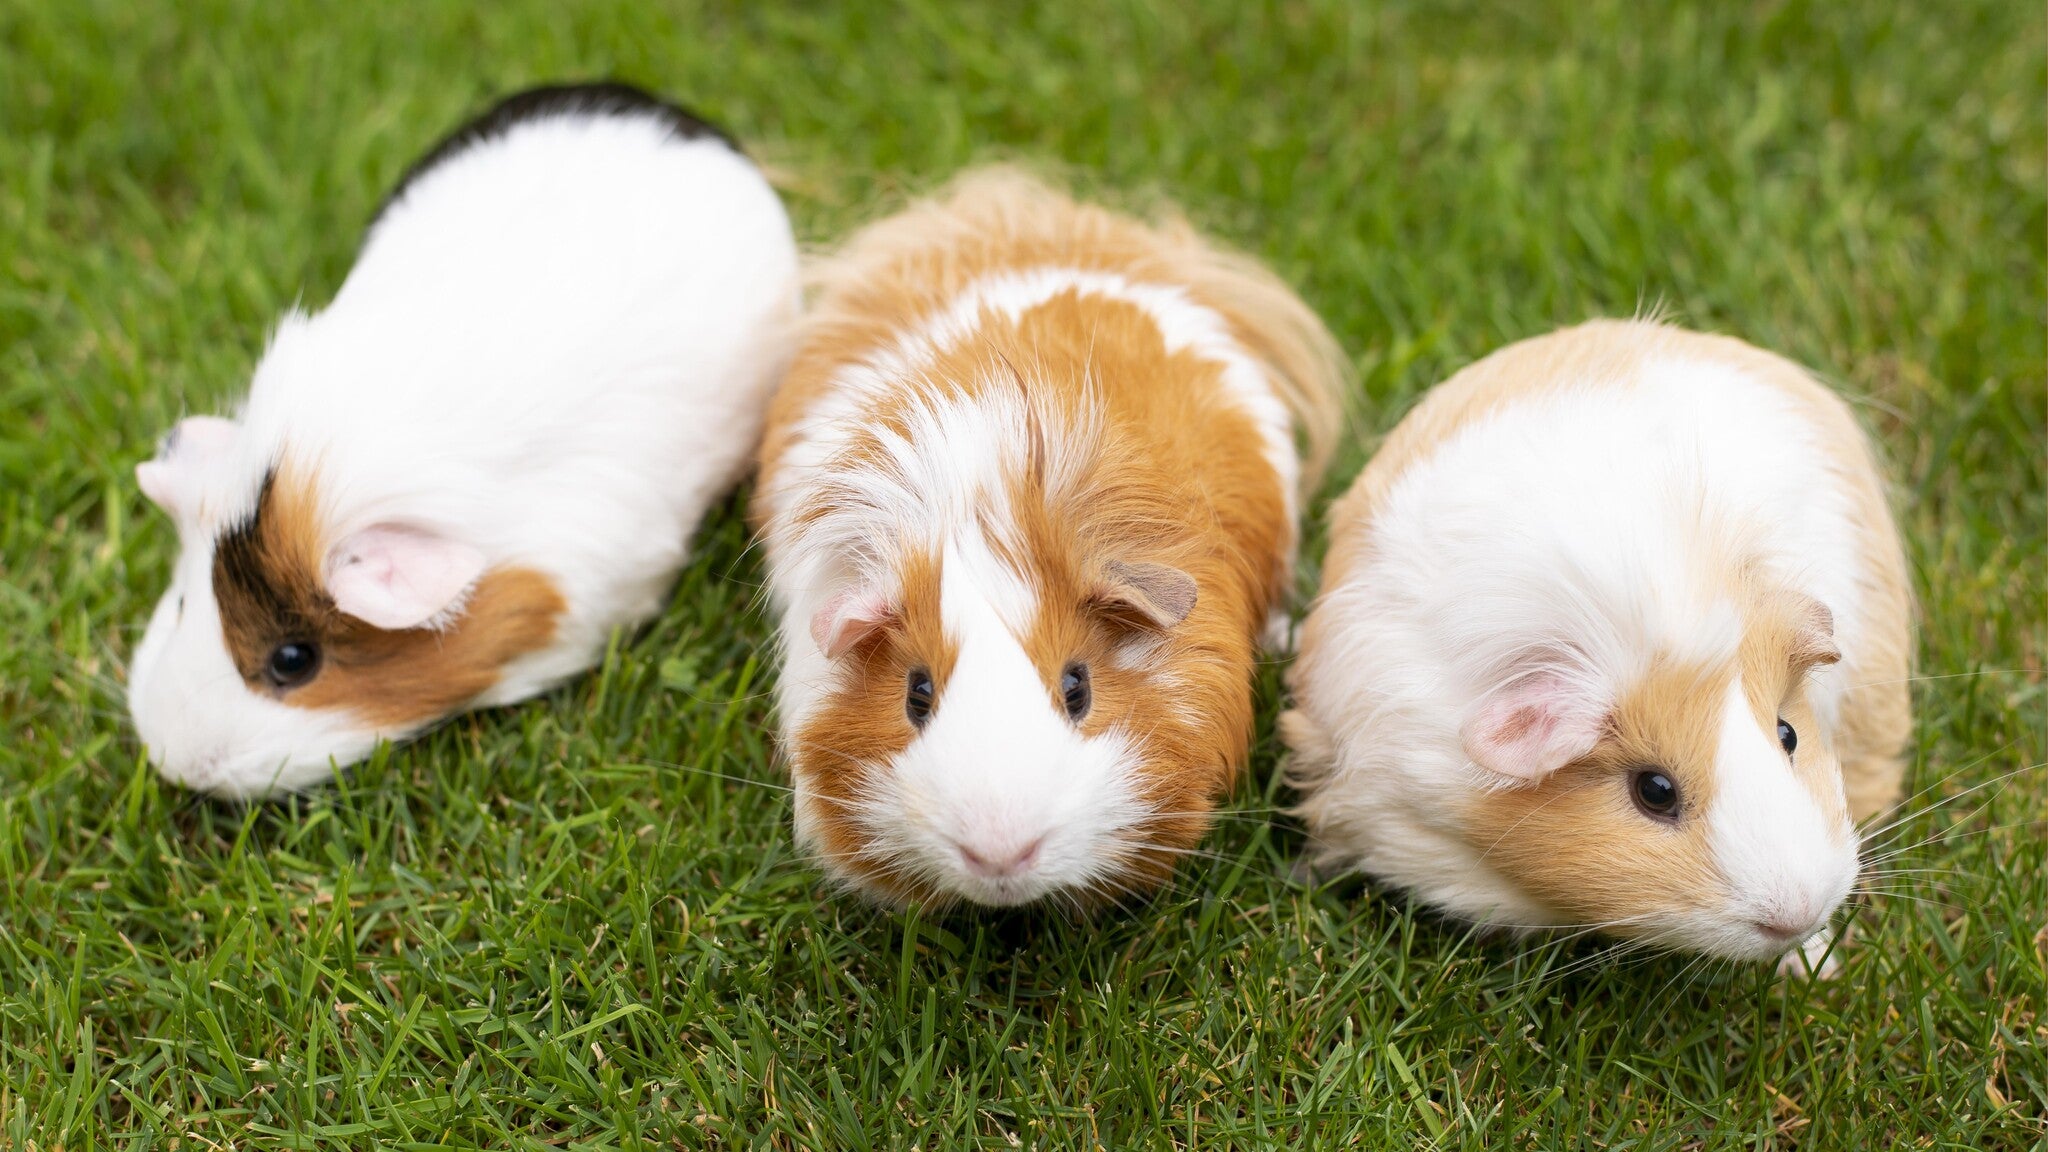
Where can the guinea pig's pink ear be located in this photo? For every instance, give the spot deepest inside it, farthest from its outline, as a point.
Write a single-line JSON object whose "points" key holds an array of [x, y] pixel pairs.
{"points": [[1535, 725], [1153, 594], [849, 618], [171, 480], [394, 576]]}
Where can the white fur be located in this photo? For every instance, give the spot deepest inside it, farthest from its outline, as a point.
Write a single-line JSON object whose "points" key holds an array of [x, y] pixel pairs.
{"points": [[1561, 534], [1787, 860], [555, 348], [999, 766]]}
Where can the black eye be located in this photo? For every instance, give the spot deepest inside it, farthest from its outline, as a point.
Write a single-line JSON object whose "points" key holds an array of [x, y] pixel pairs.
{"points": [[292, 663], [1074, 689], [1787, 737], [1656, 793], [917, 697]]}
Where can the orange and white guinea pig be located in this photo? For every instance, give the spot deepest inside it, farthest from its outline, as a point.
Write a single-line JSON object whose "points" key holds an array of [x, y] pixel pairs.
{"points": [[1614, 633], [1028, 497], [447, 488]]}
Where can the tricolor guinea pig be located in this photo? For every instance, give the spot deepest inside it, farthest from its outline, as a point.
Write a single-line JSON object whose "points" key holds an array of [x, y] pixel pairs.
{"points": [[1028, 496], [448, 487], [1614, 633]]}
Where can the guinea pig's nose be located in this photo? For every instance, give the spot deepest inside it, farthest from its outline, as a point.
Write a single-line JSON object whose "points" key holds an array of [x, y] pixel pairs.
{"points": [[1788, 924], [1782, 927], [997, 863]]}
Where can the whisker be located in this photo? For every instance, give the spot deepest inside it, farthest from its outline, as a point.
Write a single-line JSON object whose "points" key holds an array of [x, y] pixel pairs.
{"points": [[1949, 676], [1944, 802], [1953, 832], [693, 769]]}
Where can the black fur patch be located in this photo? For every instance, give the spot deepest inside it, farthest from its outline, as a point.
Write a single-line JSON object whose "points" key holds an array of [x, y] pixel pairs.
{"points": [[606, 98], [264, 599]]}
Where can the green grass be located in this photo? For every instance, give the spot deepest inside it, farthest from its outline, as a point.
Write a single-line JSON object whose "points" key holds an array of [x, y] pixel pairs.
{"points": [[581, 922]]}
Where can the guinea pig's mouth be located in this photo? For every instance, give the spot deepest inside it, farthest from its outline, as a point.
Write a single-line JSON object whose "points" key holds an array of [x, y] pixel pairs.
{"points": [[197, 769], [1019, 897], [210, 774], [1004, 895], [954, 875]]}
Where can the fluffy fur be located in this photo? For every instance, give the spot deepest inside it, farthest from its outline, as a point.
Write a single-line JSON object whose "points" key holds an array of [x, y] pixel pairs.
{"points": [[1022, 437], [1617, 546], [488, 452]]}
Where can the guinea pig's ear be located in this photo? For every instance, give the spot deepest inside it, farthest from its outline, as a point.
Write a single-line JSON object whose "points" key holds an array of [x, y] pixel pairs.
{"points": [[1151, 594], [171, 480], [395, 576], [1813, 632], [1535, 724], [849, 618]]}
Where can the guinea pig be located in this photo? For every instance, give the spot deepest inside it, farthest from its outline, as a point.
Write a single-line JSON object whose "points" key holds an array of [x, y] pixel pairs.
{"points": [[1027, 497], [447, 489], [1614, 632]]}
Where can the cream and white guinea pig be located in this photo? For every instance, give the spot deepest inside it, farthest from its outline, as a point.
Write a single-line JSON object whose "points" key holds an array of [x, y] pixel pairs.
{"points": [[1614, 631], [447, 488], [1028, 495]]}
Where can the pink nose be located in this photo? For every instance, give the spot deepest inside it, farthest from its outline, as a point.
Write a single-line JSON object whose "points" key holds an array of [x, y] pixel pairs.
{"points": [[999, 863], [1789, 923]]}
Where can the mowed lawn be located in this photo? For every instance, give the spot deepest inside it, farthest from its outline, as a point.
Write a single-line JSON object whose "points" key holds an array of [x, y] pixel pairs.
{"points": [[581, 923]]}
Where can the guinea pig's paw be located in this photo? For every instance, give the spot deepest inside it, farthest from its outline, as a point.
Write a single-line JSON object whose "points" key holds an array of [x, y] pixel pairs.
{"points": [[1815, 959], [1278, 639], [1304, 872], [1310, 750], [1319, 867]]}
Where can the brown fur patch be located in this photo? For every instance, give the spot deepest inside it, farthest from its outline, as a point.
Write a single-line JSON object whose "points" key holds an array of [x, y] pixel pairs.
{"points": [[268, 581]]}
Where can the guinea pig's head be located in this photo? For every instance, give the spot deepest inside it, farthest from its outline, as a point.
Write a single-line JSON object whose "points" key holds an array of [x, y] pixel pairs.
{"points": [[1010, 719], [288, 644], [1697, 806]]}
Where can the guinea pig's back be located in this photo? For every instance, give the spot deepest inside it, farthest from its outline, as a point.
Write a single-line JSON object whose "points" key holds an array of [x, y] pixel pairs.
{"points": [[1598, 441], [561, 334], [577, 272]]}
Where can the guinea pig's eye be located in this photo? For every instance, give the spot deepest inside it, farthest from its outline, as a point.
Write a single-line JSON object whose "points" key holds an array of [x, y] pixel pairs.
{"points": [[1076, 691], [1656, 793], [917, 697], [292, 662], [1787, 738]]}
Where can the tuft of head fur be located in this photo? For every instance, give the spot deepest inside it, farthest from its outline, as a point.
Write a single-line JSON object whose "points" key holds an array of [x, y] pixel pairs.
{"points": [[1029, 444], [1614, 550]]}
